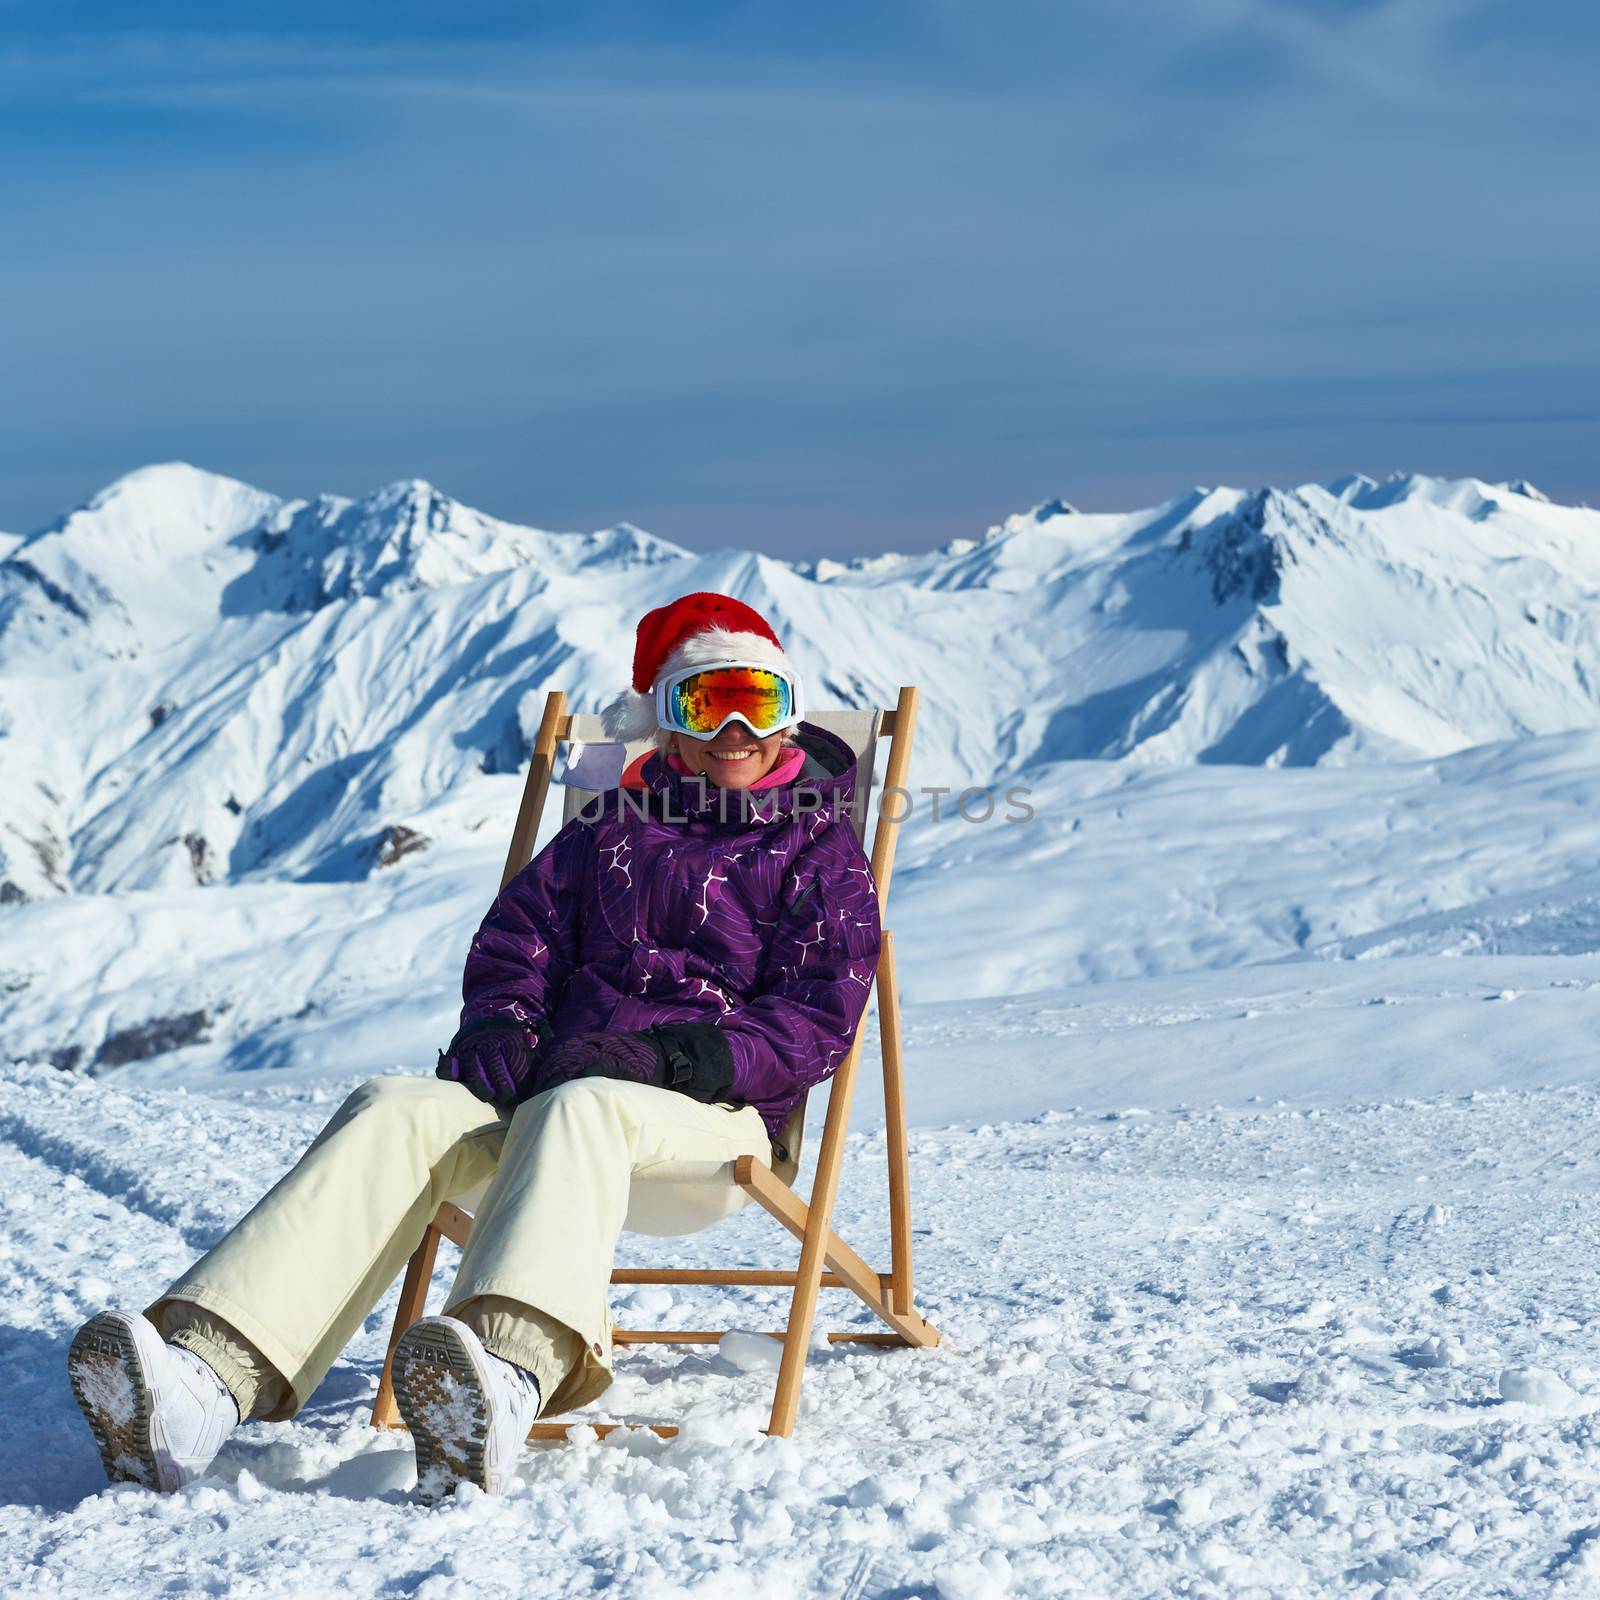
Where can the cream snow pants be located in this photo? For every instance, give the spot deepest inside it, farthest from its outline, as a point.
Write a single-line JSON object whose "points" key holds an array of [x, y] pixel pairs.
{"points": [[277, 1299]]}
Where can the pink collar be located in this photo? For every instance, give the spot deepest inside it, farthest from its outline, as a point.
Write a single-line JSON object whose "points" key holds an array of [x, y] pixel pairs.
{"points": [[787, 768]]}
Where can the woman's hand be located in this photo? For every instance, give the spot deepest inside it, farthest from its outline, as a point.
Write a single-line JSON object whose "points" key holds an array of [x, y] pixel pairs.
{"points": [[691, 1057], [494, 1058], [631, 1056]]}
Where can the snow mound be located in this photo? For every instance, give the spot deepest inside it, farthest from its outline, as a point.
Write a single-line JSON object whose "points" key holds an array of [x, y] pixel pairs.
{"points": [[1563, 919], [1539, 1389]]}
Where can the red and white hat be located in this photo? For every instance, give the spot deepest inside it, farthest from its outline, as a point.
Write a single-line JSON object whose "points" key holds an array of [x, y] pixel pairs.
{"points": [[694, 630]]}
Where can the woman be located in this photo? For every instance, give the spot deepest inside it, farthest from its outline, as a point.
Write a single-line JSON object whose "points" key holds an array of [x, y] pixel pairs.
{"points": [[644, 1003]]}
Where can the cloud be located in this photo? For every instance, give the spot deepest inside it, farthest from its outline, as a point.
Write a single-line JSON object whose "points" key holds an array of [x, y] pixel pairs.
{"points": [[1389, 50]]}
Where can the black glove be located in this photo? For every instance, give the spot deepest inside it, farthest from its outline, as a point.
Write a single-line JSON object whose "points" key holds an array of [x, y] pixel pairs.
{"points": [[494, 1058], [691, 1057]]}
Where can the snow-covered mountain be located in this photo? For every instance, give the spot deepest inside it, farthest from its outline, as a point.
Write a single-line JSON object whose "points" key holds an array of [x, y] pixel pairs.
{"points": [[170, 551], [217, 709], [200, 681], [206, 682]]}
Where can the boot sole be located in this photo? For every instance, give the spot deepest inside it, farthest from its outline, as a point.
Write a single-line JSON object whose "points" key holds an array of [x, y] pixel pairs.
{"points": [[109, 1385], [441, 1396]]}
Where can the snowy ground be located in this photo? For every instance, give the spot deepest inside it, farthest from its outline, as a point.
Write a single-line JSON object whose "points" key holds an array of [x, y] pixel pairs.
{"points": [[1196, 1343]]}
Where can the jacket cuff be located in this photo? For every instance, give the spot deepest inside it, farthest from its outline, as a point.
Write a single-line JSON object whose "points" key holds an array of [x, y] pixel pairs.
{"points": [[695, 1059], [499, 1009]]}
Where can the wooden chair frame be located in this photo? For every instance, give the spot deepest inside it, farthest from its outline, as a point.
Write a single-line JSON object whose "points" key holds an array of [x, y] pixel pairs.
{"points": [[826, 1261]]}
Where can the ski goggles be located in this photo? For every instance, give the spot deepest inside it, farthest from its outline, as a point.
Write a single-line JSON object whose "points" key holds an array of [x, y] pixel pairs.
{"points": [[702, 701]]}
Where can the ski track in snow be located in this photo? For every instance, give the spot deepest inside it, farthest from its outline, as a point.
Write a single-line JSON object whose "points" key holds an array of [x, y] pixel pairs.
{"points": [[1226, 1351]]}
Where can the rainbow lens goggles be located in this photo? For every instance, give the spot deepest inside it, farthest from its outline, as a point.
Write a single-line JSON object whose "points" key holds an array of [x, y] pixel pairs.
{"points": [[702, 701]]}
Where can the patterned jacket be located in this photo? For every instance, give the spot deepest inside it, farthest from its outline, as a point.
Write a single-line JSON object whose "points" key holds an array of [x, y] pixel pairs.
{"points": [[753, 914]]}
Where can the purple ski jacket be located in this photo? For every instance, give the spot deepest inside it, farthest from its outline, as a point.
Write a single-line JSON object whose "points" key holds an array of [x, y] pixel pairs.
{"points": [[683, 902]]}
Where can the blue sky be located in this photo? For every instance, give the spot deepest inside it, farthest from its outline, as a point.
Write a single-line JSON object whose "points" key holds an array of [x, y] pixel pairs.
{"points": [[812, 279]]}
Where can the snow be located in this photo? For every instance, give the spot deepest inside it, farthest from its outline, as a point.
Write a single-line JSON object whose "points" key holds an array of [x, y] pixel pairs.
{"points": [[1538, 1388], [1251, 1080], [1224, 1337], [1126, 872], [108, 1389]]}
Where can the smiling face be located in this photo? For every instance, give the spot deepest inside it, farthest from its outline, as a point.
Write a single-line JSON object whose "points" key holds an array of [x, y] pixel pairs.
{"points": [[735, 759]]}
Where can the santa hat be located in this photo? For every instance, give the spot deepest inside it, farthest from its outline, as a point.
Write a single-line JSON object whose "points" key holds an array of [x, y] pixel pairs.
{"points": [[695, 630]]}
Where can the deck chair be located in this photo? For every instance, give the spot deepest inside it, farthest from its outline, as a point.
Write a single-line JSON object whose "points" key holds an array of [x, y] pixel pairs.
{"points": [[826, 1261]]}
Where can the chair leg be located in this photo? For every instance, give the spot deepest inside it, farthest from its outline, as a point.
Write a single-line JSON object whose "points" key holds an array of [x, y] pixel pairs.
{"points": [[413, 1302], [894, 1127], [875, 1289], [813, 1250]]}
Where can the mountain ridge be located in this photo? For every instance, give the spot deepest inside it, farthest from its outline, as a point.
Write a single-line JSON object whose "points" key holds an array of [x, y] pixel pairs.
{"points": [[209, 683]]}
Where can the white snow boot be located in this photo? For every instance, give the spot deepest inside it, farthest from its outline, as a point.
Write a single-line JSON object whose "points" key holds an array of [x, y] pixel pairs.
{"points": [[158, 1413], [468, 1411]]}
